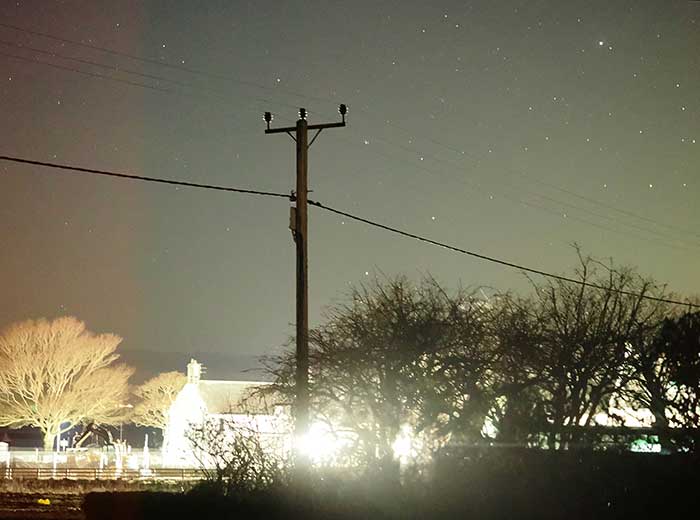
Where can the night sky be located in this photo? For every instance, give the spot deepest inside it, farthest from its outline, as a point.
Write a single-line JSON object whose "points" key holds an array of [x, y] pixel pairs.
{"points": [[512, 129]]}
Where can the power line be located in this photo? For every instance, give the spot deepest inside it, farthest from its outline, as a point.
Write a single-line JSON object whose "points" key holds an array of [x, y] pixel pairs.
{"points": [[114, 68], [121, 70], [512, 172], [152, 61], [546, 209], [107, 173], [357, 218], [432, 140], [515, 199], [83, 72], [492, 259], [98, 48]]}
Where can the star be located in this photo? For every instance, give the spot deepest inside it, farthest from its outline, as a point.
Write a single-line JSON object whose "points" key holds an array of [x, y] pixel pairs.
{"points": [[457, 95]]}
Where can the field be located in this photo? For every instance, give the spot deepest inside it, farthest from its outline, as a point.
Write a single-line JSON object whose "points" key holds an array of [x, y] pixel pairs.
{"points": [[32, 506], [29, 499]]}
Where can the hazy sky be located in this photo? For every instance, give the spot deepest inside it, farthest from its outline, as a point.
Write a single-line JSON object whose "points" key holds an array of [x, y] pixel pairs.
{"points": [[511, 129]]}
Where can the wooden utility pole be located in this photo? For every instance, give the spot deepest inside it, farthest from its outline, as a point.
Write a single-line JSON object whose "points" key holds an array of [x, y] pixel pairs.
{"points": [[299, 225]]}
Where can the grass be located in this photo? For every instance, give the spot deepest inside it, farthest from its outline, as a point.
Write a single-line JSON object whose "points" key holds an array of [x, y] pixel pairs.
{"points": [[82, 487]]}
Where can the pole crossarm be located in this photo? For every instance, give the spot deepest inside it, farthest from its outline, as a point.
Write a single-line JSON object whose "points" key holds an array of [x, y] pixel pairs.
{"points": [[290, 129], [287, 130], [327, 125]]}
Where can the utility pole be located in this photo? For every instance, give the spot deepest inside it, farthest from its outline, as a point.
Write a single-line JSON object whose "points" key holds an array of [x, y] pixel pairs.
{"points": [[298, 224]]}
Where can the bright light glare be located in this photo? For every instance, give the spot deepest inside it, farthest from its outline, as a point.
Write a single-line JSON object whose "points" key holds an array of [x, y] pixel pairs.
{"points": [[405, 446], [321, 445]]}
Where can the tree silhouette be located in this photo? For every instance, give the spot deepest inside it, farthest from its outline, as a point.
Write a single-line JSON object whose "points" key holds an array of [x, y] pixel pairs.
{"points": [[587, 337], [668, 377], [541, 370], [398, 354]]}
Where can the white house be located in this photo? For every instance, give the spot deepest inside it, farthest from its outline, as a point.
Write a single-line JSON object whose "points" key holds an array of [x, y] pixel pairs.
{"points": [[231, 402]]}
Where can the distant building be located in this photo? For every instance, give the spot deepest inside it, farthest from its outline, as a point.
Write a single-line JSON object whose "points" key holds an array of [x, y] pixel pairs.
{"points": [[228, 402]]}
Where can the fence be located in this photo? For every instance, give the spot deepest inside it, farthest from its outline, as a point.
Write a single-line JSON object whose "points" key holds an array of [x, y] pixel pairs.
{"points": [[76, 473]]}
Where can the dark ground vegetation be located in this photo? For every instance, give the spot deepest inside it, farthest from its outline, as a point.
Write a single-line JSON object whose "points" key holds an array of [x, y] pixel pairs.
{"points": [[478, 484]]}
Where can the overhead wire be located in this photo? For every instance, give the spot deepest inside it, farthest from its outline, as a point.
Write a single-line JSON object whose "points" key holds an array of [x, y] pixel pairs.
{"points": [[108, 173], [114, 68], [388, 123], [219, 95], [121, 70], [521, 174], [571, 193], [151, 61], [531, 204], [492, 259], [515, 199], [518, 200], [83, 72], [552, 200]]}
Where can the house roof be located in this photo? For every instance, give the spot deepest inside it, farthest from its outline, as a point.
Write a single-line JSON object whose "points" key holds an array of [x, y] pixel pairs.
{"points": [[226, 397]]}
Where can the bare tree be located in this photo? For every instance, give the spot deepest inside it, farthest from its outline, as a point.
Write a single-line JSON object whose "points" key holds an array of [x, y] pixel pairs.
{"points": [[55, 374], [517, 412], [680, 341], [237, 458], [586, 339], [449, 364], [666, 379], [155, 398], [397, 354]]}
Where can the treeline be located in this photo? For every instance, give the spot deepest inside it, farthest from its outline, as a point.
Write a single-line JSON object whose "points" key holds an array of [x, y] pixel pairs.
{"points": [[57, 376], [545, 370]]}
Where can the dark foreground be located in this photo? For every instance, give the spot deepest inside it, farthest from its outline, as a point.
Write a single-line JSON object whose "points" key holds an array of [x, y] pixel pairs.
{"points": [[479, 485]]}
